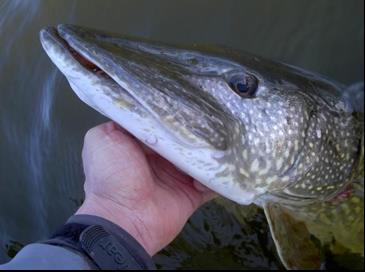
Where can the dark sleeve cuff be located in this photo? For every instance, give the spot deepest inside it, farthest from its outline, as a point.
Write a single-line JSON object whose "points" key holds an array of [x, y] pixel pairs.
{"points": [[128, 249]]}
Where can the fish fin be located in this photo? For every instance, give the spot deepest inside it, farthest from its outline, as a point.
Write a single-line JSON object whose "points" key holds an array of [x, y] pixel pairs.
{"points": [[339, 222], [337, 225], [296, 247], [354, 95]]}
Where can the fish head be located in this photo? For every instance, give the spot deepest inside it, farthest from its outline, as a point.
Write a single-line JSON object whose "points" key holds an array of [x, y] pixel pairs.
{"points": [[241, 125]]}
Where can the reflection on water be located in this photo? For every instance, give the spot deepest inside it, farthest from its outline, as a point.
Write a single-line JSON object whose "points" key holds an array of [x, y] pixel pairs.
{"points": [[215, 239], [42, 122], [13, 11]]}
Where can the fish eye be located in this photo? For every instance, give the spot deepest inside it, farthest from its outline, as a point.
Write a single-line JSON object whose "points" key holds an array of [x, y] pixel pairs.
{"points": [[243, 85]]}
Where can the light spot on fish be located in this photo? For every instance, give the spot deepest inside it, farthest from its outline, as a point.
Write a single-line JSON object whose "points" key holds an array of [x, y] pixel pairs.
{"points": [[272, 179], [285, 179], [287, 153], [296, 145], [279, 163], [255, 166], [244, 154], [265, 170], [244, 173], [218, 154]]}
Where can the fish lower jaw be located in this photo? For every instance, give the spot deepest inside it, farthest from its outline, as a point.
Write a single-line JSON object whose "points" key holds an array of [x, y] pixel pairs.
{"points": [[230, 189]]}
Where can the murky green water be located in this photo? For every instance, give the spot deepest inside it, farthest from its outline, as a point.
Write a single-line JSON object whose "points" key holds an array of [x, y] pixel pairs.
{"points": [[42, 122]]}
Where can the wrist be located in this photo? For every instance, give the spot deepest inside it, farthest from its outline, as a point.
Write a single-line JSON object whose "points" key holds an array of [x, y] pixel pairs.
{"points": [[117, 214], [102, 244]]}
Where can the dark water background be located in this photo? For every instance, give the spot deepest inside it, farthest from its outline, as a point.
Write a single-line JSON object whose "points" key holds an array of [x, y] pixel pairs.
{"points": [[42, 122]]}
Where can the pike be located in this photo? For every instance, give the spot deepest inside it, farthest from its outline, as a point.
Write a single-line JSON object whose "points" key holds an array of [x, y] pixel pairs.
{"points": [[251, 129]]}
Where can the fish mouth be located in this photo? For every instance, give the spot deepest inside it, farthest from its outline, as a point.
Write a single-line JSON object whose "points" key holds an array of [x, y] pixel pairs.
{"points": [[141, 71], [51, 35]]}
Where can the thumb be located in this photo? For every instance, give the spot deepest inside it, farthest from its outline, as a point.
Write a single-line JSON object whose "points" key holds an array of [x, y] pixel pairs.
{"points": [[207, 193]]}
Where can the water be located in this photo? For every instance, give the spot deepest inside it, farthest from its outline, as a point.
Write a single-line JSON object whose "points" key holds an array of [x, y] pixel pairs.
{"points": [[42, 122]]}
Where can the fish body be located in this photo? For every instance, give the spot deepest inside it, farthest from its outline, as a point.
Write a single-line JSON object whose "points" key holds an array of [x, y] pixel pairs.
{"points": [[251, 129]]}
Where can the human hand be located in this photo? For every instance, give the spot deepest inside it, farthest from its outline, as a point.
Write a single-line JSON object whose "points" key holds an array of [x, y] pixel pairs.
{"points": [[135, 188]]}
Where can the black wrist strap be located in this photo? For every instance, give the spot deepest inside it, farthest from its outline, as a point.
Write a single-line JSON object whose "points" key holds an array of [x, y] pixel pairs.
{"points": [[104, 244]]}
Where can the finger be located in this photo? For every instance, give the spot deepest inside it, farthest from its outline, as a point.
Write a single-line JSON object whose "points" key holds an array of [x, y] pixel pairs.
{"points": [[112, 126], [104, 135], [208, 196], [200, 187], [109, 129], [123, 130], [147, 150], [207, 193], [101, 130]]}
